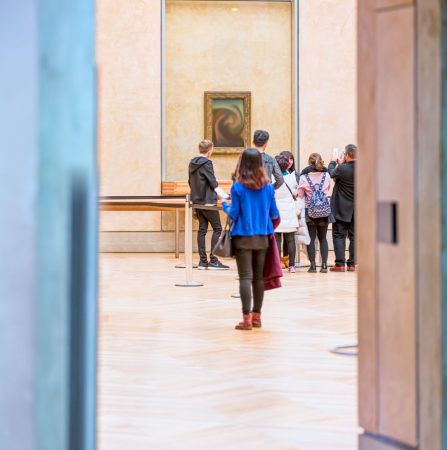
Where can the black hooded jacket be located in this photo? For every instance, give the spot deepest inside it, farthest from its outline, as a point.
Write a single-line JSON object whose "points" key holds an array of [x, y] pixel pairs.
{"points": [[202, 181]]}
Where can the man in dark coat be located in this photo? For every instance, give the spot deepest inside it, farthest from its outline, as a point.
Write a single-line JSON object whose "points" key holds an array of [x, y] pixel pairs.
{"points": [[202, 182], [342, 204]]}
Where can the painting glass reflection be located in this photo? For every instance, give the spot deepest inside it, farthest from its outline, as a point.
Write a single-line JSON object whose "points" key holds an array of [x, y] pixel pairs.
{"points": [[228, 122]]}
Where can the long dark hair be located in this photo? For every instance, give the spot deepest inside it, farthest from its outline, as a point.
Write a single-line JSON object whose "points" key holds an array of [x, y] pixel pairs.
{"points": [[289, 156], [251, 172]]}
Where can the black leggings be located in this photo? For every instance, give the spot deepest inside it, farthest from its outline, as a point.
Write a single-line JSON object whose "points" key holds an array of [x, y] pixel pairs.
{"points": [[250, 266], [289, 244], [318, 227]]}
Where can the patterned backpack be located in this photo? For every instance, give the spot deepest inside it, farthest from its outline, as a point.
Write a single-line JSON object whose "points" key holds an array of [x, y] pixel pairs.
{"points": [[318, 204]]}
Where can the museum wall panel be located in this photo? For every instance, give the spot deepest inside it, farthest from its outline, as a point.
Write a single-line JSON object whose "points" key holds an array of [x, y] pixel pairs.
{"points": [[218, 46], [400, 357], [328, 76], [213, 46], [396, 279], [129, 105]]}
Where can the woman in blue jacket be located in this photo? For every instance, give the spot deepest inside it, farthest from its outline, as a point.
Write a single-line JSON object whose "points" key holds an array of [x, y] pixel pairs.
{"points": [[252, 209]]}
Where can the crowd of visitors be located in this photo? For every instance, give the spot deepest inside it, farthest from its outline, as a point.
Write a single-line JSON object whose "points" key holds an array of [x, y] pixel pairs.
{"points": [[273, 207]]}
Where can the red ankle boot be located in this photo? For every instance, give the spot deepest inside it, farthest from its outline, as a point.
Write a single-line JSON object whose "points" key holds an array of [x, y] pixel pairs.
{"points": [[245, 324], [256, 320]]}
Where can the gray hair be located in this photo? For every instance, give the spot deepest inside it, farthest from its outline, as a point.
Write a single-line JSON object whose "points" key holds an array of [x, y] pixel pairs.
{"points": [[351, 151]]}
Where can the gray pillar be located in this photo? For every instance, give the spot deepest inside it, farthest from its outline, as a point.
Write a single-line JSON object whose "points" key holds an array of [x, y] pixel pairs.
{"points": [[67, 231], [18, 91], [48, 226]]}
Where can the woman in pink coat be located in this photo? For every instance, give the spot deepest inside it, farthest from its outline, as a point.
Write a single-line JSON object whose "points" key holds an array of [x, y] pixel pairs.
{"points": [[311, 178]]}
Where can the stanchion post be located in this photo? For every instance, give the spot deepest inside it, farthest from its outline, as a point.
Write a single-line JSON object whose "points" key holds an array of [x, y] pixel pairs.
{"points": [[177, 233], [177, 224], [188, 247], [188, 238]]}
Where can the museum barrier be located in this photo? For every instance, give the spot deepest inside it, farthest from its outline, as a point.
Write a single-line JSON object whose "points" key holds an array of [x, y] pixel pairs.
{"points": [[169, 203], [147, 203], [188, 281], [163, 203], [189, 207]]}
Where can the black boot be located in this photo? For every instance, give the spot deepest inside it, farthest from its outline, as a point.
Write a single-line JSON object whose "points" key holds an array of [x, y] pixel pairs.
{"points": [[323, 268], [313, 267]]}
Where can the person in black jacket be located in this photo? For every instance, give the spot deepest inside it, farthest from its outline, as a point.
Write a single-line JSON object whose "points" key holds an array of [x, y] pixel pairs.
{"points": [[342, 204], [202, 182]]}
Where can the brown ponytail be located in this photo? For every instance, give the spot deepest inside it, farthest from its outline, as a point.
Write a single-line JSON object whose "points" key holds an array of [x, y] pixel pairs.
{"points": [[316, 160]]}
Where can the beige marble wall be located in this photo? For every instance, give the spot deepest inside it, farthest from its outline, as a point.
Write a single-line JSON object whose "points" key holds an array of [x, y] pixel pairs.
{"points": [[129, 103], [328, 85], [211, 47]]}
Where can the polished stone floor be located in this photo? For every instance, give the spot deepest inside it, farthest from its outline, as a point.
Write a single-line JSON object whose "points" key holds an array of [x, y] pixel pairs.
{"points": [[174, 374]]}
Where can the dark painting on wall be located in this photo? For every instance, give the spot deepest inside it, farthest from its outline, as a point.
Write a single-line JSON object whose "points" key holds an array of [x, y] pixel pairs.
{"points": [[227, 120]]}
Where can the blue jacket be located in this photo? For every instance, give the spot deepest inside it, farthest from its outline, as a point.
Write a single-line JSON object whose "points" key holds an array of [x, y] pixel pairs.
{"points": [[252, 210]]}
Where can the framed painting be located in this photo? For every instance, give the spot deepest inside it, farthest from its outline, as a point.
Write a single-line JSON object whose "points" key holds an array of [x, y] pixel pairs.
{"points": [[228, 120]]}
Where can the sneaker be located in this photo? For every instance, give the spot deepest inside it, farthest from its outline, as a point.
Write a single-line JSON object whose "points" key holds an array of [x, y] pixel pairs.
{"points": [[337, 269], [292, 269], [351, 268], [217, 265], [202, 265]]}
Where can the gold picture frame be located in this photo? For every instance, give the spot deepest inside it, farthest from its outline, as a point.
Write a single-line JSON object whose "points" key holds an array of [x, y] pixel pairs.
{"points": [[228, 121]]}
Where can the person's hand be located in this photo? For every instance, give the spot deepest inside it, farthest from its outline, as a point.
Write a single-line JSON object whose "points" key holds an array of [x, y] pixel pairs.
{"points": [[335, 154], [221, 193]]}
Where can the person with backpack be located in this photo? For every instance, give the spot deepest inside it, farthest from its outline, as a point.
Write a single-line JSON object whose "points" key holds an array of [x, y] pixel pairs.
{"points": [[342, 170], [314, 186], [203, 183], [286, 201]]}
